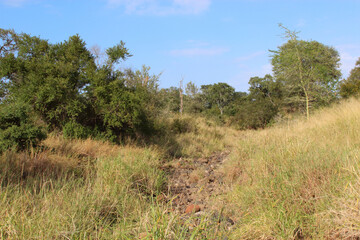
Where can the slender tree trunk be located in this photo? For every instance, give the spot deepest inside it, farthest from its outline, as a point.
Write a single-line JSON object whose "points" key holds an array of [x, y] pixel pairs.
{"points": [[307, 105], [181, 96], [303, 84]]}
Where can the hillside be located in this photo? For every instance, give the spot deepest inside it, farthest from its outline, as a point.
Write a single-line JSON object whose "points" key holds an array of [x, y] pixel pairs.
{"points": [[296, 180]]}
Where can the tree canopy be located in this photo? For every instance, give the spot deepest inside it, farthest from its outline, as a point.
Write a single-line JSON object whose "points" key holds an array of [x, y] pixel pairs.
{"points": [[61, 85], [82, 93], [308, 71]]}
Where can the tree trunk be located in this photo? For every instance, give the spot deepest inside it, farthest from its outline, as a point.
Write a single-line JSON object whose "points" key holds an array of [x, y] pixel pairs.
{"points": [[181, 96], [307, 105]]}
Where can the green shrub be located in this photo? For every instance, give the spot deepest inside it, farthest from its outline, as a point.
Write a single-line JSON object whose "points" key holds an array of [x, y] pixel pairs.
{"points": [[182, 125], [76, 130], [17, 129]]}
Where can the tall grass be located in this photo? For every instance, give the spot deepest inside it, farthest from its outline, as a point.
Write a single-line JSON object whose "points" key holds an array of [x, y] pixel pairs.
{"points": [[77, 190], [86, 189], [296, 180], [290, 181]]}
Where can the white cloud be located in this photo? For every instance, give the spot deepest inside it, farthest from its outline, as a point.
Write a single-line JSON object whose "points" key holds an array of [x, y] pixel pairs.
{"points": [[161, 7], [191, 52]]}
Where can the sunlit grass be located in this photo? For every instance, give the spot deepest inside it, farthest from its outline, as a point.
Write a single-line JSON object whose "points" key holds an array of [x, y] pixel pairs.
{"points": [[289, 177], [299, 179]]}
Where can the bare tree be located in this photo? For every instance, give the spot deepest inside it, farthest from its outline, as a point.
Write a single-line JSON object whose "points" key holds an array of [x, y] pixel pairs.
{"points": [[181, 91], [98, 54]]}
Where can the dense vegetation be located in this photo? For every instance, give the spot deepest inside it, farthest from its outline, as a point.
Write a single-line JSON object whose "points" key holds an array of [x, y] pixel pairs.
{"points": [[83, 145], [66, 87]]}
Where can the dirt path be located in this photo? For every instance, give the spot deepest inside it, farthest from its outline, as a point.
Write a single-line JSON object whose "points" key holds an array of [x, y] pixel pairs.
{"points": [[194, 183]]}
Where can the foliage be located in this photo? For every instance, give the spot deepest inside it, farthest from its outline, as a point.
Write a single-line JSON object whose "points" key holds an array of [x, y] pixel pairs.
{"points": [[117, 53], [49, 77], [217, 95], [17, 129], [259, 107], [308, 71], [68, 91], [182, 125], [170, 99], [351, 85]]}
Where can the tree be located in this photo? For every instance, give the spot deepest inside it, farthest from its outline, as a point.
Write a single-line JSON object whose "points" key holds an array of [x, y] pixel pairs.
{"points": [[265, 88], [170, 99], [218, 94], [181, 94], [191, 90], [49, 77], [351, 85], [192, 99], [308, 70], [257, 108], [62, 86]]}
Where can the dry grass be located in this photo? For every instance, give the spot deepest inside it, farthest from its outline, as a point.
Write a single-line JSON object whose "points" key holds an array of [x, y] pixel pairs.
{"points": [[86, 189], [296, 180], [206, 138], [287, 178], [77, 189]]}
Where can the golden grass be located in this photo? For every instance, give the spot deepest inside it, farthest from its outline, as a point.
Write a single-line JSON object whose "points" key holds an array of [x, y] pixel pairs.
{"points": [[296, 180], [206, 139], [86, 189], [285, 179], [77, 189]]}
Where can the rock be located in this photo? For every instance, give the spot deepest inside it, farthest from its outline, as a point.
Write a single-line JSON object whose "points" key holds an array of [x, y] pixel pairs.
{"points": [[192, 209]]}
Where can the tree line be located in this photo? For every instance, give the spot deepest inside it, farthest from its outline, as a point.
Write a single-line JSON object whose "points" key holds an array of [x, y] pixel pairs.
{"points": [[64, 87]]}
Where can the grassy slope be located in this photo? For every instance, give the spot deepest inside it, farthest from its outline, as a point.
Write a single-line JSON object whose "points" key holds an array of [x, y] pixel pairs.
{"points": [[300, 179]]}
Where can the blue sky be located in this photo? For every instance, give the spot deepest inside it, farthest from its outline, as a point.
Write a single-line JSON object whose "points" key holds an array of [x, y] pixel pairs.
{"points": [[203, 41]]}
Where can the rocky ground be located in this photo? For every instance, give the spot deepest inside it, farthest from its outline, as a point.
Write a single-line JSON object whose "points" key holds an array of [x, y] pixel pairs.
{"points": [[194, 185]]}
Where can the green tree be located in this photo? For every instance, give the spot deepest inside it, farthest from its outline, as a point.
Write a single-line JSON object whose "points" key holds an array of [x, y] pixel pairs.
{"points": [[64, 87], [257, 108], [351, 85], [191, 90], [49, 77], [170, 99], [265, 88], [217, 95], [308, 70], [192, 99]]}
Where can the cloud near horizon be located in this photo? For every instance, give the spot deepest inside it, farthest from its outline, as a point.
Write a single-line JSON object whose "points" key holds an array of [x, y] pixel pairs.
{"points": [[161, 7]]}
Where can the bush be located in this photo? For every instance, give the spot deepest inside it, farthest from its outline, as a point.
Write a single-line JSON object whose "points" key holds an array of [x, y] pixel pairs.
{"points": [[182, 125], [17, 130], [76, 130]]}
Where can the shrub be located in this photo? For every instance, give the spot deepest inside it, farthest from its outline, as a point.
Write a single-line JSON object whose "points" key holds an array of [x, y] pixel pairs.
{"points": [[76, 130], [182, 125], [17, 129]]}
